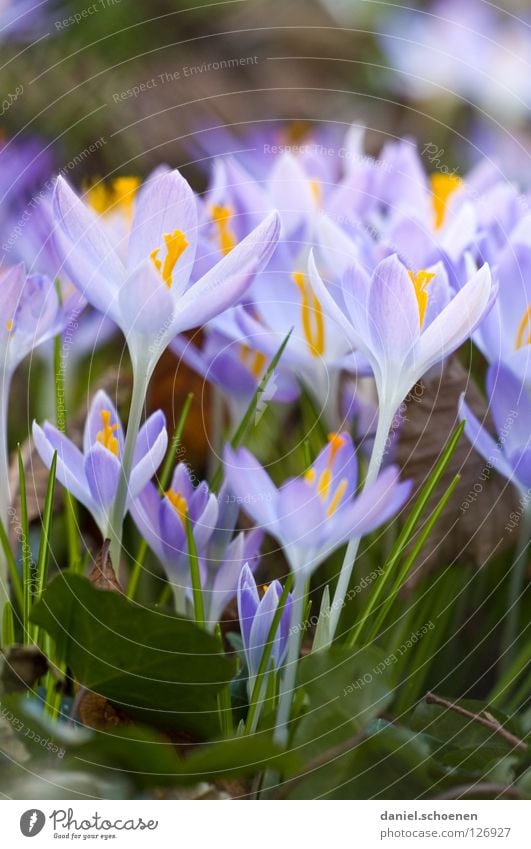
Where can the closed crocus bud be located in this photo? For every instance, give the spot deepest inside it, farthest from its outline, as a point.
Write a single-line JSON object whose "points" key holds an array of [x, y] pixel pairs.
{"points": [[256, 616]]}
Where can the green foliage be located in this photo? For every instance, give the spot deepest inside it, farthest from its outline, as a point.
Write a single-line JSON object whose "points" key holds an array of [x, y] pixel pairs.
{"points": [[162, 669]]}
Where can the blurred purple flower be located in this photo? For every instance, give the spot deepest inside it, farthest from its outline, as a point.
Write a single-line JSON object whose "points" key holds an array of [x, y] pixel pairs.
{"points": [[510, 406]]}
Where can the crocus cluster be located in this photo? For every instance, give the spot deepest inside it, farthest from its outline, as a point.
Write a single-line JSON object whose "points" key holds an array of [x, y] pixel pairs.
{"points": [[371, 271]]}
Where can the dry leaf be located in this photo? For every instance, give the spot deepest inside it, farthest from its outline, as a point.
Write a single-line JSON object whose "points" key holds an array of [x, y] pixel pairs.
{"points": [[471, 527]]}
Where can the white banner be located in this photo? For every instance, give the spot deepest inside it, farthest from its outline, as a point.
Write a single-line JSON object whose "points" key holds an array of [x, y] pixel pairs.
{"points": [[229, 824]]}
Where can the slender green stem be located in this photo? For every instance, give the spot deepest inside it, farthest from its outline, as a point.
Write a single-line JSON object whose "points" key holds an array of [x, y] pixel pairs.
{"points": [[8, 626], [253, 714], [141, 377], [72, 534], [289, 678], [377, 456], [27, 559], [199, 608], [516, 583]]}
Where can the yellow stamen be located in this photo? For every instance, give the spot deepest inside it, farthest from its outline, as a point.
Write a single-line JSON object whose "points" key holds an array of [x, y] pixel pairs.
{"points": [[254, 360], [336, 442], [311, 315], [420, 280], [9, 325], [442, 187], [118, 196], [221, 216], [336, 500], [106, 436], [323, 486], [176, 244], [179, 504], [265, 588], [317, 191], [523, 328], [309, 476]]}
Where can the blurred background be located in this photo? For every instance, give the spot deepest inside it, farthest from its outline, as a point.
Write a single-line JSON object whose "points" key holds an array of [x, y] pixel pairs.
{"points": [[151, 82]]}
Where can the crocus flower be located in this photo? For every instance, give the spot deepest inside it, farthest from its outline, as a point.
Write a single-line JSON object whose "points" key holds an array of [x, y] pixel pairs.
{"points": [[312, 515], [223, 557], [510, 406], [161, 519], [404, 321], [148, 295], [92, 475], [256, 616], [505, 333]]}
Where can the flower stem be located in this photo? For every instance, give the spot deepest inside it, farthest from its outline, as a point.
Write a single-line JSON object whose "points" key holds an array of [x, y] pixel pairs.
{"points": [[4, 489], [377, 456], [516, 582], [140, 383], [288, 680]]}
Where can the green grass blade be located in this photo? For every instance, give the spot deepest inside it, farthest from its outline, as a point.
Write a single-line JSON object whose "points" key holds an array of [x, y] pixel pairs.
{"points": [[199, 609], [407, 532], [8, 625], [411, 559], [242, 428], [16, 583]]}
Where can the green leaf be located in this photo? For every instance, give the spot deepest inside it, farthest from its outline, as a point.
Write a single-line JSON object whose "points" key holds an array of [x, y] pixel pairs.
{"points": [[345, 690], [392, 763], [159, 668]]}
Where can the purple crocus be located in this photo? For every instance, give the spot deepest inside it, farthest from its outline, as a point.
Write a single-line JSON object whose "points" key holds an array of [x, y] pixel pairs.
{"points": [[256, 616], [92, 475], [148, 295], [161, 519], [312, 515], [510, 405]]}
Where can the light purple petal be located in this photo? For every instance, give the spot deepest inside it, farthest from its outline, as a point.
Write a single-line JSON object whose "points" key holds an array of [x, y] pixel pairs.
{"points": [[223, 285], [393, 311], [483, 442], [166, 203], [252, 485], [70, 462], [150, 449], [102, 470]]}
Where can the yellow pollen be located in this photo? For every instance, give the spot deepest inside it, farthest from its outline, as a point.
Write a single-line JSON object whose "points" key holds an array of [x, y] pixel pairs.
{"points": [[311, 315], [254, 360], [118, 196], [323, 486], [317, 191], [9, 325], [176, 244], [221, 216], [179, 504], [336, 442], [265, 588], [420, 280], [336, 500], [442, 187], [523, 329], [309, 476], [106, 436]]}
